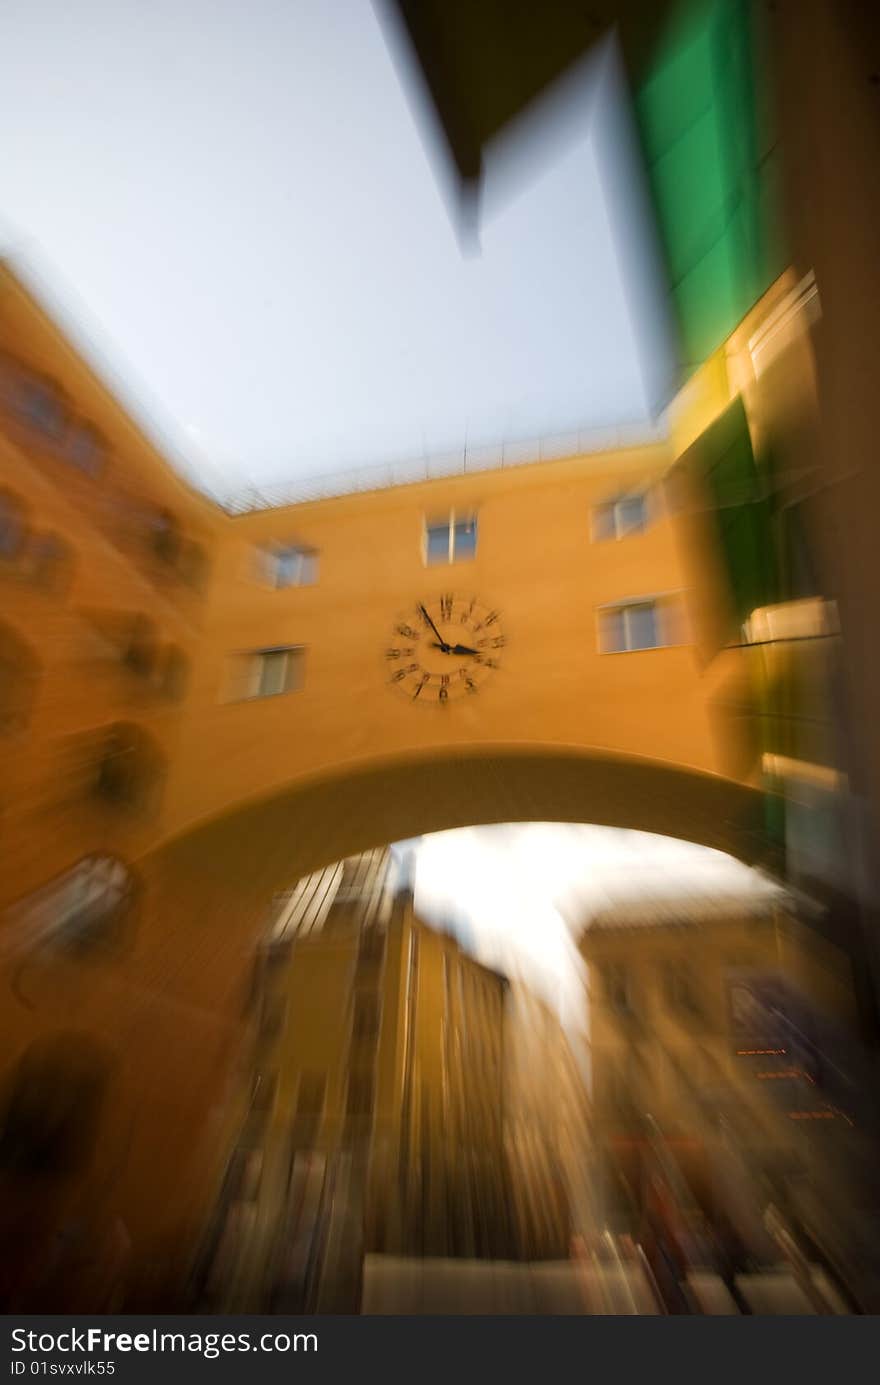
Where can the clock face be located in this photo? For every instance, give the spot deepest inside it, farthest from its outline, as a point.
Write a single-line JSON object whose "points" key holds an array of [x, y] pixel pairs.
{"points": [[444, 649]]}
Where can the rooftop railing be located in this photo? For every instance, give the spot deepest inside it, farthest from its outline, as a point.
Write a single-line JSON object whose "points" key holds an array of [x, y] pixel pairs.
{"points": [[460, 462]]}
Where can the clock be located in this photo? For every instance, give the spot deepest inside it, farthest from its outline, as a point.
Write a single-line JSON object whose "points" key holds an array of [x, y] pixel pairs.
{"points": [[444, 649]]}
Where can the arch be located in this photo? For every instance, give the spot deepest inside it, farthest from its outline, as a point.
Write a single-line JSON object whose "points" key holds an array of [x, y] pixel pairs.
{"points": [[314, 823]]}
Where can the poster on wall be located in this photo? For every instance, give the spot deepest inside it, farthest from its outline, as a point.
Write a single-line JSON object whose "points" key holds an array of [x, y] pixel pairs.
{"points": [[757, 1009], [775, 1027]]}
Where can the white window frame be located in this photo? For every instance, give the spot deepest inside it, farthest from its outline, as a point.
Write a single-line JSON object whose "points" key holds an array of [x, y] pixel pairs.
{"points": [[659, 600], [468, 516], [73, 903], [272, 556], [254, 680], [613, 503]]}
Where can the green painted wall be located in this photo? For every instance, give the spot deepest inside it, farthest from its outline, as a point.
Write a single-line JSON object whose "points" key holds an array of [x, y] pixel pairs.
{"points": [[712, 164]]}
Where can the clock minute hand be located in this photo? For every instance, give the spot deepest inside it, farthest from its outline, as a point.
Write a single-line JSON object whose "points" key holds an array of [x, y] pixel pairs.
{"points": [[442, 645]]}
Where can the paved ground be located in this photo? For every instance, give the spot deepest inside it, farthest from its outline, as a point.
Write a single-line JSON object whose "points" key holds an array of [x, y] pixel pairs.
{"points": [[394, 1285]]}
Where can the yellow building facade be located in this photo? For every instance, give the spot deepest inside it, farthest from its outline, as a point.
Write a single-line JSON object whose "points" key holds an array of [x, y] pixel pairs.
{"points": [[403, 1099], [721, 1061], [199, 708]]}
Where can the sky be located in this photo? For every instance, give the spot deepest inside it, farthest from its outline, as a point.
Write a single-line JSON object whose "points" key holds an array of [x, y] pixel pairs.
{"points": [[517, 895], [240, 212]]}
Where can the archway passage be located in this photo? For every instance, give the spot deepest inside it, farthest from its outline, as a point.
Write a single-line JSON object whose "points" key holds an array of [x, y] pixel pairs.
{"points": [[208, 894], [324, 819], [175, 1003]]}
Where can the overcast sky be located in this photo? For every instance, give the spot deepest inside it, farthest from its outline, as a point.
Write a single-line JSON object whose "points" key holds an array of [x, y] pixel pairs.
{"points": [[235, 202]]}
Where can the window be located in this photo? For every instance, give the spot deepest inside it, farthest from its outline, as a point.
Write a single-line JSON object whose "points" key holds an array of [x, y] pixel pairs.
{"points": [[12, 525], [291, 566], [80, 907], [128, 768], [633, 625], [116, 776], [84, 448], [680, 988], [616, 986], [354, 884], [274, 671], [627, 514], [48, 562], [41, 405], [139, 651], [164, 536], [309, 1108], [452, 539]]}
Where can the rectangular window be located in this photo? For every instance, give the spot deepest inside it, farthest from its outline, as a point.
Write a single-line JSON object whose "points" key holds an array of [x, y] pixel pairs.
{"points": [[437, 548], [627, 514], [633, 625], [452, 539], [464, 539], [291, 565], [269, 672], [616, 986], [680, 988], [309, 1109]]}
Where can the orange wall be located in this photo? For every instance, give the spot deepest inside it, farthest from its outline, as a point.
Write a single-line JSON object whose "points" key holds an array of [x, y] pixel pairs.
{"points": [[535, 564]]}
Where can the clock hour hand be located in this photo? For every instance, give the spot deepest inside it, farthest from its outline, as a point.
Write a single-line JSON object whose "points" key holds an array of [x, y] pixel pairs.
{"points": [[442, 645], [454, 648]]}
